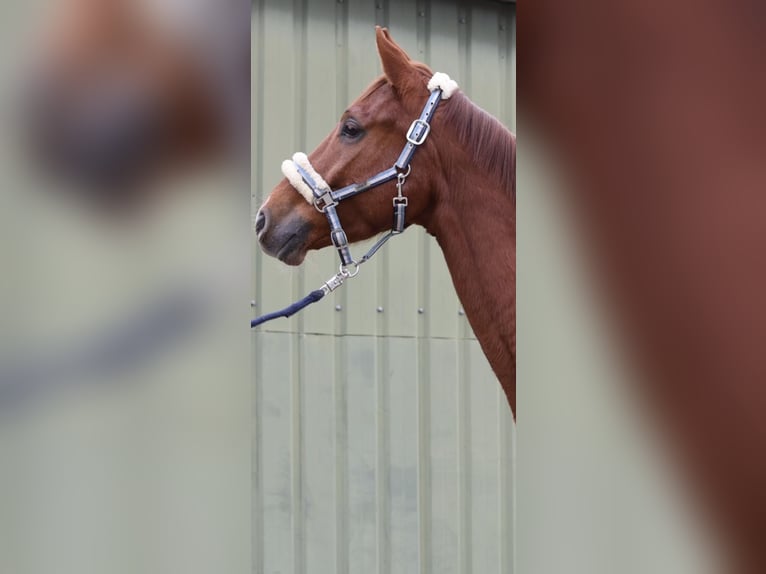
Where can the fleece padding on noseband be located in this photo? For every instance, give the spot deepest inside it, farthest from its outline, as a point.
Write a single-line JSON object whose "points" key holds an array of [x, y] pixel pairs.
{"points": [[296, 180], [442, 81], [303, 162], [291, 173]]}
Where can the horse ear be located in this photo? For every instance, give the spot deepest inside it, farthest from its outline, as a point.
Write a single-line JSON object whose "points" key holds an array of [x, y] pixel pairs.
{"points": [[397, 65]]}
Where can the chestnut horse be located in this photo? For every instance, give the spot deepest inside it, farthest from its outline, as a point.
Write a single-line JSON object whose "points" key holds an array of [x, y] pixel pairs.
{"points": [[461, 189]]}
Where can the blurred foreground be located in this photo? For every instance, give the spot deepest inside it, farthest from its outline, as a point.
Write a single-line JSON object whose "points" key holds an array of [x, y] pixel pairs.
{"points": [[124, 358], [650, 121]]}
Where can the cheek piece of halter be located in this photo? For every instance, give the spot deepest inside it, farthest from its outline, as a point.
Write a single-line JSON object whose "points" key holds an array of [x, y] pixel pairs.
{"points": [[307, 181]]}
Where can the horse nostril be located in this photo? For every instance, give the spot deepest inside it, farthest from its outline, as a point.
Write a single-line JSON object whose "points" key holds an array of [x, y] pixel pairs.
{"points": [[260, 222]]}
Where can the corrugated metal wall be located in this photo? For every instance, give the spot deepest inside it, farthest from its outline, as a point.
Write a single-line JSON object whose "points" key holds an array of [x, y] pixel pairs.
{"points": [[383, 441]]}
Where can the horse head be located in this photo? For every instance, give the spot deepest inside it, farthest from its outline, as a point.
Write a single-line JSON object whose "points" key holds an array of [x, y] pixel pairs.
{"points": [[367, 140]]}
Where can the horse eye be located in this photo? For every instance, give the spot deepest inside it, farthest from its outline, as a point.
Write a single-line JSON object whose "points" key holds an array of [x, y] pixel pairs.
{"points": [[351, 130]]}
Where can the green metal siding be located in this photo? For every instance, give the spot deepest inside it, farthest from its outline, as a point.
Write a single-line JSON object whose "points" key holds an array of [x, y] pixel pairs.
{"points": [[383, 441]]}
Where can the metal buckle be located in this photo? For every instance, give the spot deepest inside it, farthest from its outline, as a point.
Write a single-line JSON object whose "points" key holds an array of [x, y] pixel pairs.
{"points": [[324, 201], [401, 201], [423, 135]]}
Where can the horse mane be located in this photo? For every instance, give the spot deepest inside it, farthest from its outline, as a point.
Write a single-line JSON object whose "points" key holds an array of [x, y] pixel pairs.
{"points": [[484, 137]]}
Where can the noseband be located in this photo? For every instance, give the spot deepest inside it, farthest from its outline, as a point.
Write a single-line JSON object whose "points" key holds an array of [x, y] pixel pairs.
{"points": [[307, 181]]}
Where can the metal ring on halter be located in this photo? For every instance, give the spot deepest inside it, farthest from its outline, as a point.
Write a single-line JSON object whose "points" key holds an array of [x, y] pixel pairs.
{"points": [[324, 201], [405, 174], [348, 274]]}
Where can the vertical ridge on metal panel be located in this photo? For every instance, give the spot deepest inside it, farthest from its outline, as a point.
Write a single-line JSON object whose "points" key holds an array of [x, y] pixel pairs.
{"points": [[362, 459], [341, 460], [296, 452], [383, 460], [423, 386], [319, 494], [483, 445], [464, 456], [405, 543], [509, 68], [512, 83], [505, 460], [277, 509], [258, 461], [504, 97], [297, 372], [445, 426], [257, 64]]}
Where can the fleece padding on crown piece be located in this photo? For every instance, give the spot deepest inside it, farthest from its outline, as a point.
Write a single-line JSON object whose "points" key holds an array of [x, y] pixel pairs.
{"points": [[447, 85]]}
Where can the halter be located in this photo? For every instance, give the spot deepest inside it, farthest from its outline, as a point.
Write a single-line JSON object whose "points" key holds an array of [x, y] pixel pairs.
{"points": [[315, 190]]}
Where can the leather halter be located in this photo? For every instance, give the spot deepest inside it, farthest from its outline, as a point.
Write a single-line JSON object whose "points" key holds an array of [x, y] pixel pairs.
{"points": [[326, 199], [307, 181]]}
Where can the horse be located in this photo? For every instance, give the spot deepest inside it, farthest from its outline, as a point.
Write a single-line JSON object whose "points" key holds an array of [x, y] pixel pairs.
{"points": [[460, 186], [119, 94]]}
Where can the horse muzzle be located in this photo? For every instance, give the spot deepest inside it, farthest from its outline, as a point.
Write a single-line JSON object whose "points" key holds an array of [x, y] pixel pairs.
{"points": [[287, 240]]}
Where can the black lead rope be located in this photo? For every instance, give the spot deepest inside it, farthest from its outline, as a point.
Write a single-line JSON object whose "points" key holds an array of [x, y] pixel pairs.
{"points": [[328, 287], [315, 296], [312, 297], [325, 200]]}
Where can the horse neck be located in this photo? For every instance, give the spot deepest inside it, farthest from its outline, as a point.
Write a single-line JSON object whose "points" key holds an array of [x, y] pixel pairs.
{"points": [[474, 222]]}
